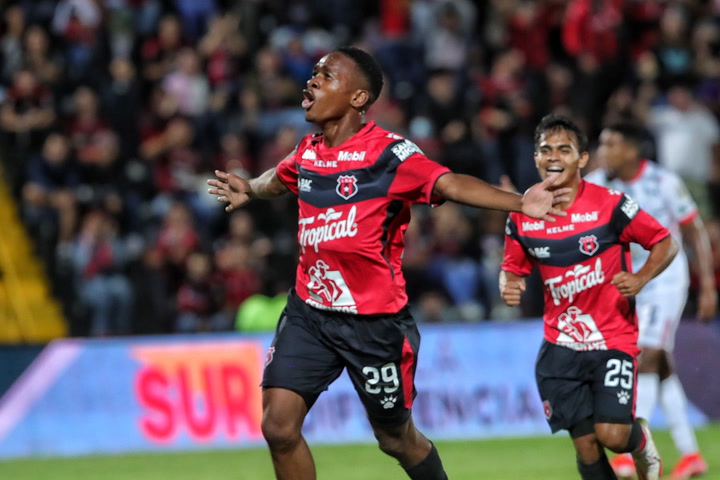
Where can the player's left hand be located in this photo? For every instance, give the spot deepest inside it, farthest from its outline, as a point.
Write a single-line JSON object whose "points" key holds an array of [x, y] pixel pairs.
{"points": [[230, 189], [628, 283], [539, 200], [707, 303]]}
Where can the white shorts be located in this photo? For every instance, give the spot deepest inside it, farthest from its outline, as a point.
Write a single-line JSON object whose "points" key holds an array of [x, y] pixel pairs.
{"points": [[659, 311]]}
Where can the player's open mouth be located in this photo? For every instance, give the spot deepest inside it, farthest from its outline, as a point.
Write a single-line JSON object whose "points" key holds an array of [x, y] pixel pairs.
{"points": [[555, 169], [308, 101]]}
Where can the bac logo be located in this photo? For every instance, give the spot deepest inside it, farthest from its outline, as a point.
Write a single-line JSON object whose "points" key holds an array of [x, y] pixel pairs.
{"points": [[589, 244], [346, 186], [539, 252], [305, 184]]}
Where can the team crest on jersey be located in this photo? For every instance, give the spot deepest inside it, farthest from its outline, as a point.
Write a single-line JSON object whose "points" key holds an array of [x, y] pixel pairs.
{"points": [[269, 356], [346, 186], [547, 409], [589, 244]]}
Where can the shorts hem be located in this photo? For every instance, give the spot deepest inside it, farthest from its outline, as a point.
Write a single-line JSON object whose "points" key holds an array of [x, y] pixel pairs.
{"points": [[616, 420], [393, 421]]}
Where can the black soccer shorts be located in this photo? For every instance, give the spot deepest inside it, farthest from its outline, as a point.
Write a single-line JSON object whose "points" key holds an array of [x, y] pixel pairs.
{"points": [[312, 347], [575, 386]]}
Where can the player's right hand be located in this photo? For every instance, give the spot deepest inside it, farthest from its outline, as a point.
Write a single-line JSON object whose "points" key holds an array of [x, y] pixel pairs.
{"points": [[539, 200], [511, 290], [707, 303], [231, 189]]}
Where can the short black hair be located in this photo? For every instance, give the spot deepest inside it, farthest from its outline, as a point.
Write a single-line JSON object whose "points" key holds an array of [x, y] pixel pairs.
{"points": [[369, 67], [553, 122], [632, 133]]}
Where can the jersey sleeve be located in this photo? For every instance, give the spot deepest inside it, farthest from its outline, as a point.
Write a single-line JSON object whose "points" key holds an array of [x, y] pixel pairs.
{"points": [[679, 199], [287, 172], [514, 258], [636, 225], [415, 175]]}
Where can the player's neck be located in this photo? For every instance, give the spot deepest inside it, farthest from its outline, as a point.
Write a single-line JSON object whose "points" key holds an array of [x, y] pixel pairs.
{"points": [[575, 186], [630, 171], [339, 131]]}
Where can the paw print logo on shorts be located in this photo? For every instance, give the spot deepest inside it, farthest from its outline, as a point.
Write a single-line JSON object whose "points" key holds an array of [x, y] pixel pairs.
{"points": [[388, 402], [623, 397]]}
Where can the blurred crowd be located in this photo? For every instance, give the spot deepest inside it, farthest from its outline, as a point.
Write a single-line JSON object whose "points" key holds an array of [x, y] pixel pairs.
{"points": [[113, 113]]}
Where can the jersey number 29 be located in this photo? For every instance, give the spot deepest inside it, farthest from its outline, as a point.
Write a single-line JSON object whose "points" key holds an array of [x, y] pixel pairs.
{"points": [[387, 373]]}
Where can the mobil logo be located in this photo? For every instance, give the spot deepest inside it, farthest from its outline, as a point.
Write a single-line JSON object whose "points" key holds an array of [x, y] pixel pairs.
{"points": [[351, 156]]}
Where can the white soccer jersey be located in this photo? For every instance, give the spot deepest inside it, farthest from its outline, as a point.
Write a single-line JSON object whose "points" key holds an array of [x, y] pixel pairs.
{"points": [[662, 194]]}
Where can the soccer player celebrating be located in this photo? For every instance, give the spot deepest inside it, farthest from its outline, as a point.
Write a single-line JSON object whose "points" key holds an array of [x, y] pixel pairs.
{"points": [[355, 183], [586, 367], [660, 304]]}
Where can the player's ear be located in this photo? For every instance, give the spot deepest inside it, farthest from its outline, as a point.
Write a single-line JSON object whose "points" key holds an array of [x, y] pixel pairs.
{"points": [[360, 99], [634, 151], [584, 159]]}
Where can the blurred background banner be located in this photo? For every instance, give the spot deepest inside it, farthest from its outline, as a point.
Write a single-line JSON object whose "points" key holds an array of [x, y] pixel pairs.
{"points": [[167, 393], [82, 397]]}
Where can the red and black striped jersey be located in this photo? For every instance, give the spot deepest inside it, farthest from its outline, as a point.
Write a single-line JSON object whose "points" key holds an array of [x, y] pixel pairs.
{"points": [[354, 208], [577, 257]]}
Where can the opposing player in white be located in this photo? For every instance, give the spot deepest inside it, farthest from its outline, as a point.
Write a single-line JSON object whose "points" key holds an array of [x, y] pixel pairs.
{"points": [[661, 303]]}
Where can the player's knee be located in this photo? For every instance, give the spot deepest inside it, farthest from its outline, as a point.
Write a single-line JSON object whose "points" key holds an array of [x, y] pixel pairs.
{"points": [[392, 441], [280, 434], [613, 436], [615, 443], [390, 444]]}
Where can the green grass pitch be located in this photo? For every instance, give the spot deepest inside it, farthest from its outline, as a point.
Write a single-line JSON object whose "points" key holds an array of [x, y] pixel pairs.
{"points": [[540, 458]]}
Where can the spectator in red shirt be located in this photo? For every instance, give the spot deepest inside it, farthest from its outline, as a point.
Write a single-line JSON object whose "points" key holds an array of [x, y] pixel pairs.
{"points": [[26, 115], [199, 298], [99, 259], [175, 241], [86, 127], [158, 52], [238, 275]]}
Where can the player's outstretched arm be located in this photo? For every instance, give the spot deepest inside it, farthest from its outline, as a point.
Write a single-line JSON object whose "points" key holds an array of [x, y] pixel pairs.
{"points": [[237, 191], [661, 254], [696, 237], [511, 288], [538, 201]]}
